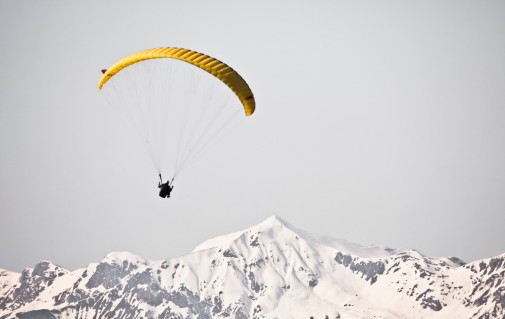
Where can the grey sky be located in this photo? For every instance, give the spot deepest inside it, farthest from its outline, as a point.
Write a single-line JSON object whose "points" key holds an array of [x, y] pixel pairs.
{"points": [[381, 122]]}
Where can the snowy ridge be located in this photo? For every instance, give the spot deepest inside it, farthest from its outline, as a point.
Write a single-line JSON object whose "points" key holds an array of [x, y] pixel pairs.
{"points": [[276, 221], [270, 270]]}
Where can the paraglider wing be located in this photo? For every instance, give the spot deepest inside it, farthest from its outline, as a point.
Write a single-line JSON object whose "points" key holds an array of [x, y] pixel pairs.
{"points": [[213, 66]]}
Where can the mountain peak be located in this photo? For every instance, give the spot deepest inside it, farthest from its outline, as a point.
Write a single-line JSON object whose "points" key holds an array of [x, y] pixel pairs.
{"points": [[272, 222], [120, 257], [275, 219]]}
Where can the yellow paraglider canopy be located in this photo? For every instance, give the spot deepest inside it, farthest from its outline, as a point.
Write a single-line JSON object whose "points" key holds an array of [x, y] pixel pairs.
{"points": [[215, 67]]}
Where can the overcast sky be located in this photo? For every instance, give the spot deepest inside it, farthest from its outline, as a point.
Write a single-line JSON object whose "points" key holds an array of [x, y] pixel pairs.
{"points": [[380, 122]]}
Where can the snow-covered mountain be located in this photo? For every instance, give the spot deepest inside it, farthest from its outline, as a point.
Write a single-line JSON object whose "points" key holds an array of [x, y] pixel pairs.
{"points": [[271, 270]]}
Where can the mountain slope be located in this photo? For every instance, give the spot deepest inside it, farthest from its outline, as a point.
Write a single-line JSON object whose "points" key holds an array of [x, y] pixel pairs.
{"points": [[271, 270]]}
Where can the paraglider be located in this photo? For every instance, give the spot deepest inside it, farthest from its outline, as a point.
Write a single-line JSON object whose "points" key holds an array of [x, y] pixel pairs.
{"points": [[177, 101], [165, 188]]}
